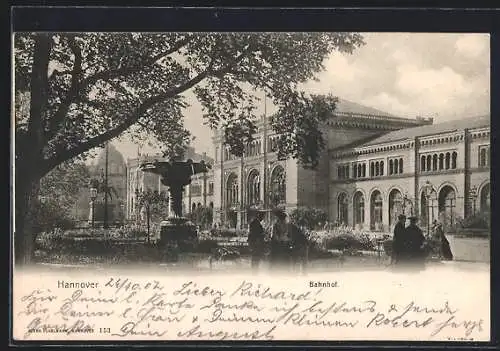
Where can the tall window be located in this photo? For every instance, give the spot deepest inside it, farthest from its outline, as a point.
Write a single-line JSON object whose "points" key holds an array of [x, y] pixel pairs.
{"points": [[376, 207], [434, 162], [446, 205], [278, 186], [395, 205], [484, 156], [447, 160], [381, 167], [253, 187], [422, 164], [454, 160], [342, 205], [441, 161], [232, 190], [485, 198], [359, 208]]}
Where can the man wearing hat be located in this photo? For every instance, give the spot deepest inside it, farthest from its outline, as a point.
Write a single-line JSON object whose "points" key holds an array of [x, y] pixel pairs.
{"points": [[398, 238], [256, 236], [414, 243]]}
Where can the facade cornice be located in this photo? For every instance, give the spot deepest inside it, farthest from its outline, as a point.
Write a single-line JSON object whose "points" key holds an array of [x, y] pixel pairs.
{"points": [[425, 141]]}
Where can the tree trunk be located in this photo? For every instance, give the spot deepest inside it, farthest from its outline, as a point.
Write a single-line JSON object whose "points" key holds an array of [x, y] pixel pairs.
{"points": [[26, 197], [29, 153]]}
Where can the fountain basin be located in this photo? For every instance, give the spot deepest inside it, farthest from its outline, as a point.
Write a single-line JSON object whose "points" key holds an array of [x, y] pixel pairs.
{"points": [[178, 231]]}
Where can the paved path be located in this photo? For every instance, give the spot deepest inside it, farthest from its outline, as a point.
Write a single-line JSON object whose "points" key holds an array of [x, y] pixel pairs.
{"points": [[243, 265]]}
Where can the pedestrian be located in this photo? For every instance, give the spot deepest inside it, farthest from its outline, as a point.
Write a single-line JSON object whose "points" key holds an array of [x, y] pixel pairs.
{"points": [[256, 238], [280, 240], [414, 244], [444, 245], [398, 238]]}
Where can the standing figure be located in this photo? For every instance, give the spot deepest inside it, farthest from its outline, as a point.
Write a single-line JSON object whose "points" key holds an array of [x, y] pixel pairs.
{"points": [[280, 240], [256, 238], [414, 244], [398, 238], [444, 245]]}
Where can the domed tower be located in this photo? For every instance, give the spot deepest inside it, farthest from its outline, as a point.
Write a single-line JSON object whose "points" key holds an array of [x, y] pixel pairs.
{"points": [[117, 185]]}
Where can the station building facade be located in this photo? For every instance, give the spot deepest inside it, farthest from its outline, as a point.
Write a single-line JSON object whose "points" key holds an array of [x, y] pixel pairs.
{"points": [[439, 171], [260, 178]]}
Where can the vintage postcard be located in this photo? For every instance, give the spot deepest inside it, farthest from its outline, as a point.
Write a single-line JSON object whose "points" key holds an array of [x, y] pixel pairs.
{"points": [[251, 186]]}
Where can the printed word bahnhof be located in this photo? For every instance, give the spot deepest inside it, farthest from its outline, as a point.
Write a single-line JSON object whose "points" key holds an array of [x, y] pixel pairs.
{"points": [[375, 167]]}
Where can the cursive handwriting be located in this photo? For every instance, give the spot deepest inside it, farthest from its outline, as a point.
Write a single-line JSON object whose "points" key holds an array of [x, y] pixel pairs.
{"points": [[242, 310], [247, 289]]}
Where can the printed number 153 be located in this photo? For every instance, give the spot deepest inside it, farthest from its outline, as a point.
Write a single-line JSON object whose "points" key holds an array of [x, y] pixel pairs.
{"points": [[104, 330]]}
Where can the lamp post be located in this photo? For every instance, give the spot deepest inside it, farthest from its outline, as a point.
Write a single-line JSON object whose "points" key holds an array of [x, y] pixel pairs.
{"points": [[473, 197], [93, 196], [430, 195]]}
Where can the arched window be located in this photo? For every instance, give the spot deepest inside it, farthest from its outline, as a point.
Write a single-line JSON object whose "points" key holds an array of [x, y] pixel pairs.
{"points": [[396, 166], [355, 170], [446, 205], [428, 167], [360, 171], [278, 186], [342, 206], [346, 171], [422, 164], [381, 167], [364, 170], [454, 160], [441, 161], [232, 190], [359, 208], [400, 165], [434, 162], [376, 207], [484, 198], [391, 167], [372, 169], [377, 168], [395, 205], [447, 160], [253, 187], [339, 172]]}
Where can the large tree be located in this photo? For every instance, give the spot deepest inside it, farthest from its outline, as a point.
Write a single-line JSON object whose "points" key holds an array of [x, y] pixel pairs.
{"points": [[85, 89]]}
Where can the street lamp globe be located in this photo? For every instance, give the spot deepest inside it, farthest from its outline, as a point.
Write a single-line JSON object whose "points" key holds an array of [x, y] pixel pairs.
{"points": [[93, 193]]}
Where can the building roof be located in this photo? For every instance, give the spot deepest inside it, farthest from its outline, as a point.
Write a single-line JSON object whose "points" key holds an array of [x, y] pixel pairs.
{"points": [[346, 106], [449, 126]]}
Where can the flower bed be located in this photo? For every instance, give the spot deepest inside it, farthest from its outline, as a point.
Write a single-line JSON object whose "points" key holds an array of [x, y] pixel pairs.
{"points": [[346, 239]]}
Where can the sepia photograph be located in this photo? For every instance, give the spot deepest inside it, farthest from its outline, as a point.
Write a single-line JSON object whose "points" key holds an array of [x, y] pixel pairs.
{"points": [[251, 186]]}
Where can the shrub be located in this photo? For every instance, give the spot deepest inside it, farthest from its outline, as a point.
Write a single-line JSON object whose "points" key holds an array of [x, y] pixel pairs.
{"points": [[308, 217], [480, 220], [348, 242], [228, 233]]}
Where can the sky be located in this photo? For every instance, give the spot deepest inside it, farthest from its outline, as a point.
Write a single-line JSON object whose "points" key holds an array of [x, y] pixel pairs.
{"points": [[439, 75]]}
